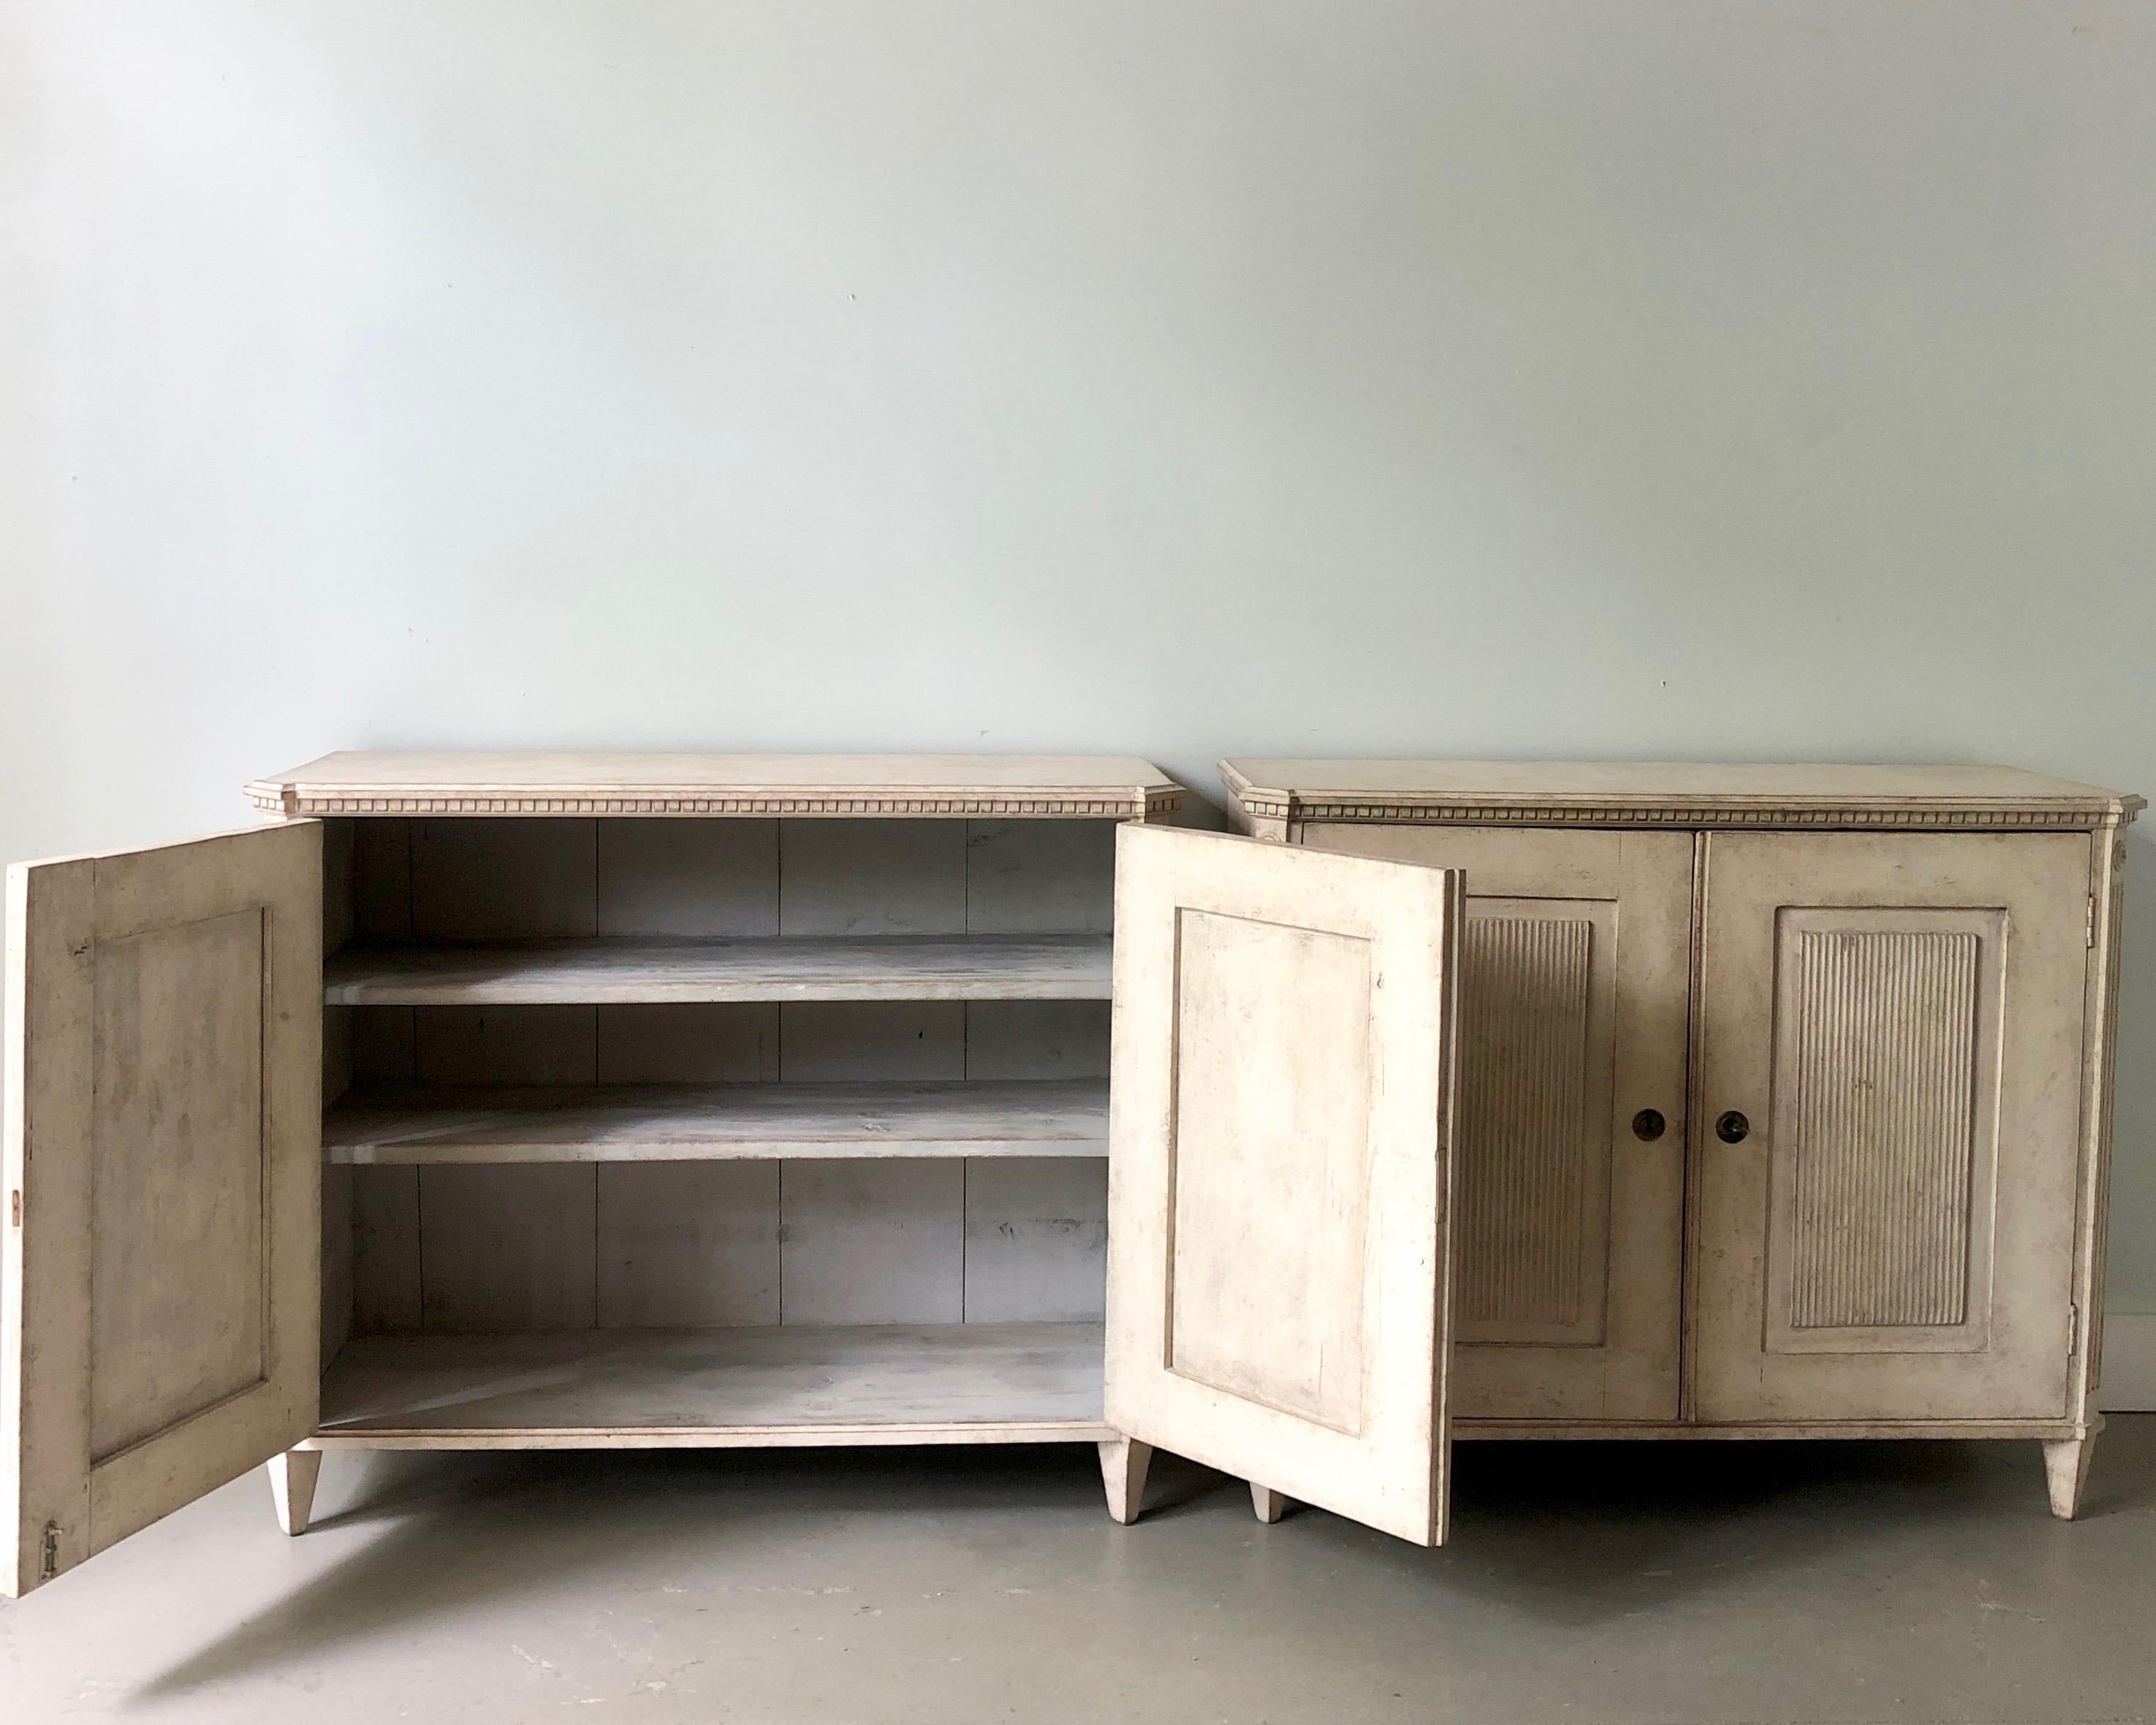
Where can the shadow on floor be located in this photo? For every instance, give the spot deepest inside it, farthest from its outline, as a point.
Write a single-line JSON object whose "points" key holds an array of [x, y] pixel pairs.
{"points": [[1555, 1534]]}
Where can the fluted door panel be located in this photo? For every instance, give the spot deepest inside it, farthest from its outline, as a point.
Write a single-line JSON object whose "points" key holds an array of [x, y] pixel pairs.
{"points": [[1897, 1019], [1568, 1222]]}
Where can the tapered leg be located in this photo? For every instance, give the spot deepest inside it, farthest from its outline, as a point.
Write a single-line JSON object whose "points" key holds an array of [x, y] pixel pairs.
{"points": [[2065, 1471], [1123, 1464], [1270, 1504], [292, 1477]]}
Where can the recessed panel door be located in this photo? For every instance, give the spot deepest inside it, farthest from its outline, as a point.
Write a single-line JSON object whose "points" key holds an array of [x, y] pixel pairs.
{"points": [[160, 1277], [1280, 1169]]}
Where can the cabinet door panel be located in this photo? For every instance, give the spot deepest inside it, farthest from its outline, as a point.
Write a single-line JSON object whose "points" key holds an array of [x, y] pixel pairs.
{"points": [[1898, 1019], [160, 1276], [1279, 1169], [1575, 970]]}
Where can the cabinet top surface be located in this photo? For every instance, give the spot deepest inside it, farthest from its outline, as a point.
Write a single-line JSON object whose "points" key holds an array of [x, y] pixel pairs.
{"points": [[533, 782], [1667, 792]]}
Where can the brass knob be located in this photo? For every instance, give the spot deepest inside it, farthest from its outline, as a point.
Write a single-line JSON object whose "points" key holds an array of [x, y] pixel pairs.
{"points": [[1649, 1125], [1732, 1128]]}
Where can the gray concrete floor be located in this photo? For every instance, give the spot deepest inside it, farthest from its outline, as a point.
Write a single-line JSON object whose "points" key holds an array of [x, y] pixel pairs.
{"points": [[1724, 1582]]}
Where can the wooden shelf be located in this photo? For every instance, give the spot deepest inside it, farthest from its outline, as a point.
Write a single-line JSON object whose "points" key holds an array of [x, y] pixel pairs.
{"points": [[697, 1122], [1069, 967], [1011, 1383]]}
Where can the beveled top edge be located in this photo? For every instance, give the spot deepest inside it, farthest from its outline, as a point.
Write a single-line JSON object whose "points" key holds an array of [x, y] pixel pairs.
{"points": [[429, 781], [1703, 788]]}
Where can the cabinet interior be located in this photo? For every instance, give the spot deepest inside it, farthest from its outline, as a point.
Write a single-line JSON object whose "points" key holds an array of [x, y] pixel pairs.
{"points": [[703, 1125]]}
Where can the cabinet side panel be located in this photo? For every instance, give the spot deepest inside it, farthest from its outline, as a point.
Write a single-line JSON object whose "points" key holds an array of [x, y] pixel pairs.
{"points": [[340, 883], [338, 1299], [381, 879], [340, 922], [2100, 1053], [385, 1250]]}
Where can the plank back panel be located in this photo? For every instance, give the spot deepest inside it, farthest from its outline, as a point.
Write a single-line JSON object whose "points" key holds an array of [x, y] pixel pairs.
{"points": [[508, 1248], [1036, 1237], [688, 877], [684, 1245], [496, 879], [689, 1244]]}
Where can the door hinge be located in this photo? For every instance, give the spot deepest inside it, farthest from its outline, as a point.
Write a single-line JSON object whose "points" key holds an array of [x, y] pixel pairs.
{"points": [[51, 1566], [2073, 1329], [2091, 929], [15, 1207]]}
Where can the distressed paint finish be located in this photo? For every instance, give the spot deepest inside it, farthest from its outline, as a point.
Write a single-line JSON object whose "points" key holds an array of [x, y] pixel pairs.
{"points": [[849, 786], [1691, 795], [1907, 1237], [161, 1276], [1569, 1241], [1245, 975], [1942, 1210], [1890, 1078], [845, 1384]]}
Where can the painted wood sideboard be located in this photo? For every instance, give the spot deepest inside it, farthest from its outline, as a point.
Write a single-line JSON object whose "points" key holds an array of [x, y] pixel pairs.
{"points": [[579, 1101], [1785, 1091], [601, 1101]]}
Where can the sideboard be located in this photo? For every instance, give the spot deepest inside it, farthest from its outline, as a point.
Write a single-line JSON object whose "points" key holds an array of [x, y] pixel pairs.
{"points": [[1785, 1091], [575, 1101]]}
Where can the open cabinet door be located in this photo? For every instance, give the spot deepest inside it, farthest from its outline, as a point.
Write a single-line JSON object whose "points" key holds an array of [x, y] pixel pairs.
{"points": [[159, 1292], [1280, 1161]]}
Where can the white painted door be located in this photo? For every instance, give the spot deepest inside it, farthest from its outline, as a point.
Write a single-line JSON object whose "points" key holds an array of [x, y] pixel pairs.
{"points": [[1889, 1130], [160, 1300], [1575, 996], [1280, 1169]]}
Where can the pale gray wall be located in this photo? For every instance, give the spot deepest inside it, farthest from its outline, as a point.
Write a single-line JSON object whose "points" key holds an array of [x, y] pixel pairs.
{"points": [[1738, 380]]}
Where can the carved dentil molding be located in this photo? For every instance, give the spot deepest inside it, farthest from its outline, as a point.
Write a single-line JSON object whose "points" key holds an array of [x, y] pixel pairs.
{"points": [[614, 800]]}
